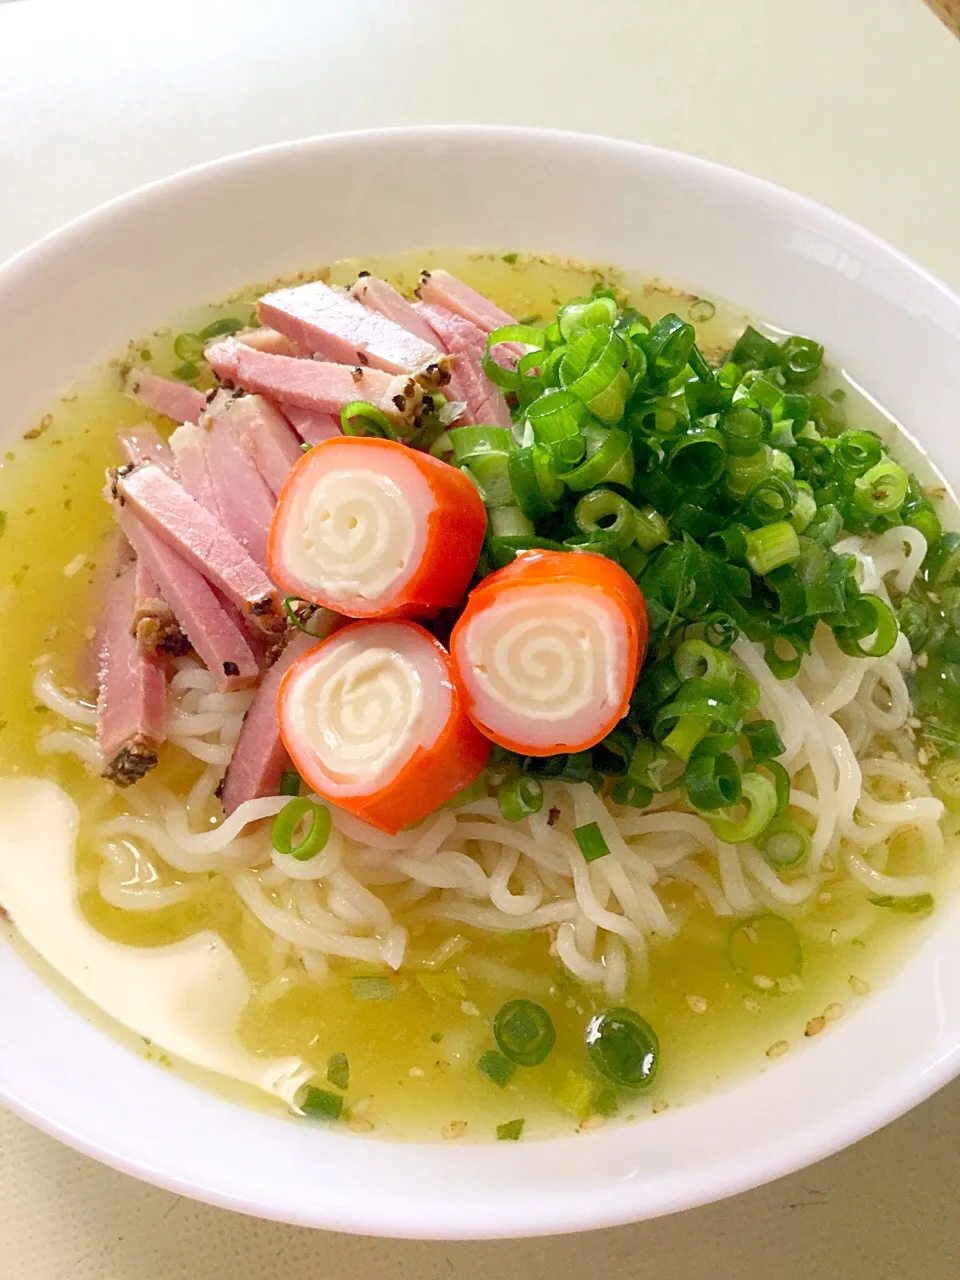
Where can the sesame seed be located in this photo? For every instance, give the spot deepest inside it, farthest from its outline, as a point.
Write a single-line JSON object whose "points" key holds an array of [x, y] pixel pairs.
{"points": [[658, 1106], [922, 660], [73, 567], [833, 1011], [697, 1004], [778, 1050], [41, 660], [763, 982], [470, 1009], [52, 632], [361, 1106], [751, 1005], [824, 897], [858, 986], [415, 1073], [456, 1129], [359, 1125], [815, 1026], [592, 1122], [89, 633]]}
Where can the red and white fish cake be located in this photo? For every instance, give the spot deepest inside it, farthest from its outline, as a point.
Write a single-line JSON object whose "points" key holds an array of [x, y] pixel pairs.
{"points": [[373, 722], [546, 652], [372, 528]]}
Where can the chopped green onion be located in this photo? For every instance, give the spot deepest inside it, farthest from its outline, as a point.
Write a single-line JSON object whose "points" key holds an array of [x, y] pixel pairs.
{"points": [[590, 840], [525, 1032], [287, 821], [374, 988], [701, 310], [882, 489], [604, 512], [187, 372], [650, 528], [763, 739], [529, 335], [755, 351], [668, 346], [221, 328], [290, 783], [800, 360], [858, 451], [301, 613], [759, 797], [592, 368], [720, 630], [188, 347], [628, 792], [943, 560], [744, 430], [535, 485], [609, 460], [767, 947], [319, 1104], [623, 1047], [338, 1070], [510, 522], [510, 1131], [784, 843], [712, 781], [359, 417], [771, 546], [869, 617], [918, 904], [697, 659], [496, 1067], [554, 420], [697, 460], [582, 314], [517, 798], [771, 498]]}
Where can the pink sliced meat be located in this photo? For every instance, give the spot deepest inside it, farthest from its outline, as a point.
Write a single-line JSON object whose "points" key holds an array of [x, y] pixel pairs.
{"points": [[316, 385], [145, 444], [313, 428], [263, 338], [330, 323], [440, 288], [245, 501], [187, 444], [167, 509], [155, 625], [382, 297], [266, 435], [259, 758], [173, 399], [116, 556], [132, 701], [217, 638], [484, 400]]}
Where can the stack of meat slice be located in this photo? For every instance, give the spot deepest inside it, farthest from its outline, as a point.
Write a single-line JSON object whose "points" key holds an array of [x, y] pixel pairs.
{"points": [[194, 513]]}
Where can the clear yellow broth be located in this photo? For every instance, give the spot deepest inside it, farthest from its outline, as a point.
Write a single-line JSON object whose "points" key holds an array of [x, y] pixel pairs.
{"points": [[413, 1057]]}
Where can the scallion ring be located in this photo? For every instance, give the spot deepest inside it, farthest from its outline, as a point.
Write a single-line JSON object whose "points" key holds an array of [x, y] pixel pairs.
{"points": [[290, 818]]}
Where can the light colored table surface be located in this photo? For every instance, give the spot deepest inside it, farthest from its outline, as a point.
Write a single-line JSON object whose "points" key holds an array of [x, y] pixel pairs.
{"points": [[853, 102]]}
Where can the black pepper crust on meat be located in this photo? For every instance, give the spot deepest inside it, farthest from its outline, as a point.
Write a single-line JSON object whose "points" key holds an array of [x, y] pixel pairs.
{"points": [[132, 763]]}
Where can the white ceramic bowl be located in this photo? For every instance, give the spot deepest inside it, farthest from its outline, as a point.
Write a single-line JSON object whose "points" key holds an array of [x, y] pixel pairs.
{"points": [[80, 293]]}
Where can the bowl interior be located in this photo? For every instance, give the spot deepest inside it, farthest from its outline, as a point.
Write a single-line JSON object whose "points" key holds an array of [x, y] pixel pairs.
{"points": [[135, 263]]}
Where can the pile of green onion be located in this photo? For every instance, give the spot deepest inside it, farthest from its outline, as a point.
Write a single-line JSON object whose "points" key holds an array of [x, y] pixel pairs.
{"points": [[722, 491]]}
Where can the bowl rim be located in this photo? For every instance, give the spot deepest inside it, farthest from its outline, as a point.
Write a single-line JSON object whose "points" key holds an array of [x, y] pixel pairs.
{"points": [[730, 1177]]}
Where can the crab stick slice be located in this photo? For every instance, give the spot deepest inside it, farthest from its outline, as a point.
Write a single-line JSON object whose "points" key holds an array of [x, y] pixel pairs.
{"points": [[373, 723], [546, 652], [372, 528]]}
